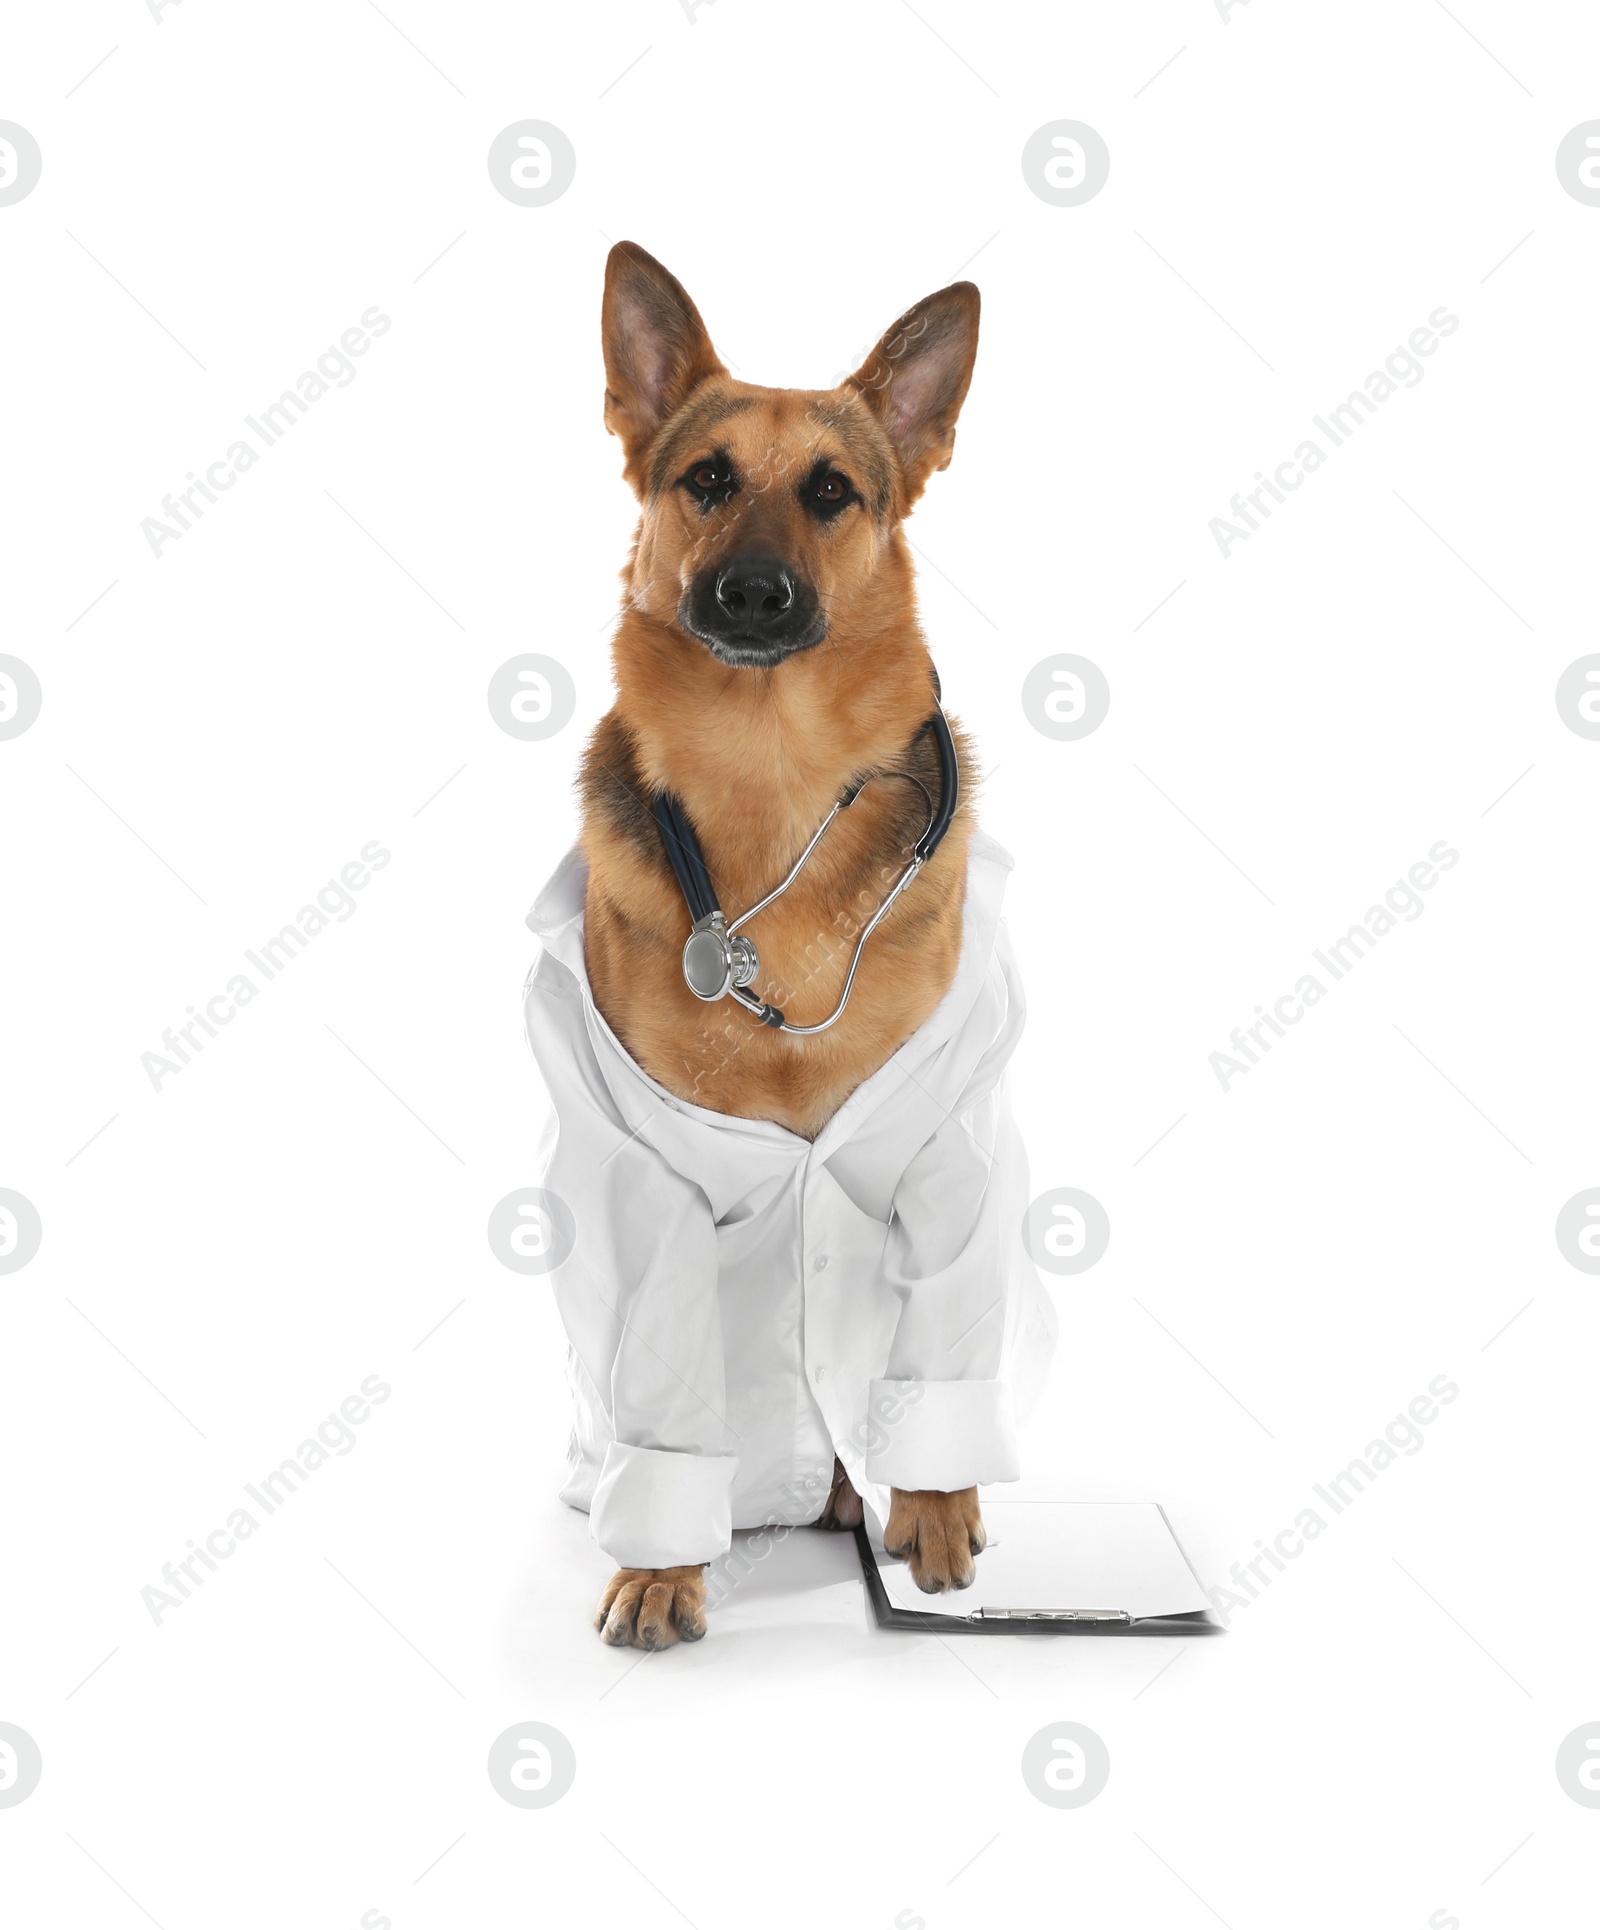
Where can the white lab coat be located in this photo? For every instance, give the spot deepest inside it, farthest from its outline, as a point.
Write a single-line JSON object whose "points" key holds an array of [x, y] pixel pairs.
{"points": [[744, 1304]]}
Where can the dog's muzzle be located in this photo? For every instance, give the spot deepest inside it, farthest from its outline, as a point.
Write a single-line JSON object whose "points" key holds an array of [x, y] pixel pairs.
{"points": [[752, 612]]}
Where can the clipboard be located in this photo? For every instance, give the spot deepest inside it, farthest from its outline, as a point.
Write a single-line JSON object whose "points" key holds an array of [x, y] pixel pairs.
{"points": [[1055, 1568]]}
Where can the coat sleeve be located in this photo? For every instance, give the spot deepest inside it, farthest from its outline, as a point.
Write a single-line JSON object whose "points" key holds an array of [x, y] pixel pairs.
{"points": [[638, 1298], [966, 1289]]}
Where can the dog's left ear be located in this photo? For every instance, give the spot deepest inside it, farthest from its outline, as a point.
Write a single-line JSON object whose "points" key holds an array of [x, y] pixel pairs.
{"points": [[916, 379], [656, 349]]}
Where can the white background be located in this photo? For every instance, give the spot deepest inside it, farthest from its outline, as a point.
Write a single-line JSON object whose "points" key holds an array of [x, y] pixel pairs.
{"points": [[1294, 1261]]}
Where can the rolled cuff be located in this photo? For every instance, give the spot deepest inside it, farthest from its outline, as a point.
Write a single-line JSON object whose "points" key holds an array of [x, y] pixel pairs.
{"points": [[951, 1435], [655, 1509]]}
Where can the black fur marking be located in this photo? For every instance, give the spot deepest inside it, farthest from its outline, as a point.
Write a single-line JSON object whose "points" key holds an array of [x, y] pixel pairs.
{"points": [[613, 789]]}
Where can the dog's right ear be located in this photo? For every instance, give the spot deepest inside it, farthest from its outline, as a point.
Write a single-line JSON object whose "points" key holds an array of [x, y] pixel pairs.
{"points": [[656, 349]]}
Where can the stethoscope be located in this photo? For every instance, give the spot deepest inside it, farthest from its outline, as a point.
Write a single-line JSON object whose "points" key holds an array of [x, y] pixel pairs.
{"points": [[719, 960]]}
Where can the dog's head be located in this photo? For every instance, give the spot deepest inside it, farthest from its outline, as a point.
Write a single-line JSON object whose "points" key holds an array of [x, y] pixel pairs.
{"points": [[767, 513]]}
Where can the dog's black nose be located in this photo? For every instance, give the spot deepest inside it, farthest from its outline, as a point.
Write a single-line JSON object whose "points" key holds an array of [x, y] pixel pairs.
{"points": [[752, 611], [755, 594]]}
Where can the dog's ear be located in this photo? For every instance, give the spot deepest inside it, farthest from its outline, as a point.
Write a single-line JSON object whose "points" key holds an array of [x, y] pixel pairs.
{"points": [[915, 380], [656, 350]]}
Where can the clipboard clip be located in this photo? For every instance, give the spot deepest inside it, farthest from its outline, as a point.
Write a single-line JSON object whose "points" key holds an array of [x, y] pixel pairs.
{"points": [[1052, 1615]]}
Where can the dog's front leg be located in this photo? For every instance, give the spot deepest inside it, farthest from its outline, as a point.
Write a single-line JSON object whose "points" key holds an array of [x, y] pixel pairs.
{"points": [[651, 1608], [936, 1535]]}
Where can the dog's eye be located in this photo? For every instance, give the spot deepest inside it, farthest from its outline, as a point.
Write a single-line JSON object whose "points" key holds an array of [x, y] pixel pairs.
{"points": [[827, 493], [710, 482]]}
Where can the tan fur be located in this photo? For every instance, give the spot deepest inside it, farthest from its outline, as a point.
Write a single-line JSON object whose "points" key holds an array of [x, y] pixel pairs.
{"points": [[843, 1508], [758, 759], [759, 756], [651, 1608], [937, 1534]]}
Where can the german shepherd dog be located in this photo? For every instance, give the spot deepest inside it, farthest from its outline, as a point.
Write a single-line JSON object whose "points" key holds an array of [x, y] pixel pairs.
{"points": [[769, 656]]}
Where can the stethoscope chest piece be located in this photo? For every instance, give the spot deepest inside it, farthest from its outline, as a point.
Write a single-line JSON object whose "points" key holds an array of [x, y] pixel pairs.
{"points": [[714, 961]]}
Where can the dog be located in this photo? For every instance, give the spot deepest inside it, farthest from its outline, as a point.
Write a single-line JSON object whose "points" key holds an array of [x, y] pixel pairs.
{"points": [[770, 665]]}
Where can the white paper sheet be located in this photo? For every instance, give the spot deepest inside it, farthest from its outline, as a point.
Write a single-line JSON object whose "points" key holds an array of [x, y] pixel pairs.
{"points": [[1061, 1555]]}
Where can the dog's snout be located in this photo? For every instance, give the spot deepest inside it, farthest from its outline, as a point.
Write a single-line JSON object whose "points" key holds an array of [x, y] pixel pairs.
{"points": [[752, 610], [755, 593]]}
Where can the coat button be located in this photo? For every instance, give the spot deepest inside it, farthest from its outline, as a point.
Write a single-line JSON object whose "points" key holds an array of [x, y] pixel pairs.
{"points": [[822, 1373], [820, 1263]]}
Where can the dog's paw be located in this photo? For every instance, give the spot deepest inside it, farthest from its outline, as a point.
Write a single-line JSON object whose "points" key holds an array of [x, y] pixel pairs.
{"points": [[651, 1608], [844, 1504], [937, 1535]]}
